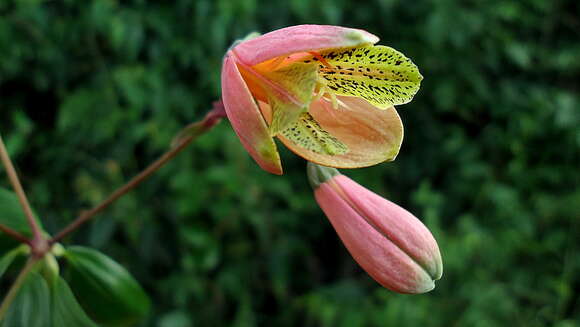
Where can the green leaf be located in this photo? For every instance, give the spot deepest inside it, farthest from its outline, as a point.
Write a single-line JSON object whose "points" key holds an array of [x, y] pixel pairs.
{"points": [[11, 214], [66, 311], [31, 307], [106, 290], [7, 259]]}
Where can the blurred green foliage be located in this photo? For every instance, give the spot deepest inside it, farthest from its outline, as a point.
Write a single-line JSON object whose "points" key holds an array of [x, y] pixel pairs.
{"points": [[92, 91]]}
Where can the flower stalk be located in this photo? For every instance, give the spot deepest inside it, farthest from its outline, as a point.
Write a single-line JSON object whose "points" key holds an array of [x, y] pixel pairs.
{"points": [[183, 139], [15, 181], [14, 234]]}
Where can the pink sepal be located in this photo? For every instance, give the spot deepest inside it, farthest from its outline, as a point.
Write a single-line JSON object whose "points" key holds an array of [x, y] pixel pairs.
{"points": [[246, 118], [300, 38]]}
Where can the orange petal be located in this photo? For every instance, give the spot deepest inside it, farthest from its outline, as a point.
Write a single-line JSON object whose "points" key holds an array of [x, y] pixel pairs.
{"points": [[246, 119], [372, 135], [301, 38]]}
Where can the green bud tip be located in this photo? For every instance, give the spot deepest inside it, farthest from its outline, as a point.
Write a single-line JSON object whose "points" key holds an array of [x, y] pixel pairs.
{"points": [[57, 250], [250, 36], [318, 174]]}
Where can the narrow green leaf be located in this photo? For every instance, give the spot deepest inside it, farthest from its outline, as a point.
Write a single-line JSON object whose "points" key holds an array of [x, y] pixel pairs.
{"points": [[106, 290], [31, 307], [7, 259], [66, 311]]}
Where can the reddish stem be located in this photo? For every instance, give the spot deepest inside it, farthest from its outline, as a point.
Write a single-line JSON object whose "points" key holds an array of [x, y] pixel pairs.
{"points": [[186, 137], [13, 177], [14, 234]]}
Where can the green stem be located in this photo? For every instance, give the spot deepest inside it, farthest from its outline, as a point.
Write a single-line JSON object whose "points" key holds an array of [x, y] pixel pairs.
{"points": [[16, 286], [13, 177]]}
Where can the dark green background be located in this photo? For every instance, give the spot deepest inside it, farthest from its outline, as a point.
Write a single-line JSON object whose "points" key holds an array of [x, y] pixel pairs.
{"points": [[92, 91]]}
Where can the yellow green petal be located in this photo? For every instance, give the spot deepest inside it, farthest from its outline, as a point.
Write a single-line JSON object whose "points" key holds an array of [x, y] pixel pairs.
{"points": [[308, 134], [379, 74], [289, 93]]}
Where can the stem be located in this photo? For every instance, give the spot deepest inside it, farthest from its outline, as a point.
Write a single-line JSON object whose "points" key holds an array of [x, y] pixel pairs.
{"points": [[14, 234], [186, 137], [84, 217], [13, 176], [16, 286]]}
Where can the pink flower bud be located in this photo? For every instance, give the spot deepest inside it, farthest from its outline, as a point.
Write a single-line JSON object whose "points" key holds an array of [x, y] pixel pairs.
{"points": [[387, 241]]}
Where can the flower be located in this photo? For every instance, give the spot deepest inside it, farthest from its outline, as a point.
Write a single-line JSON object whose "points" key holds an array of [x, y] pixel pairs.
{"points": [[387, 241], [326, 92]]}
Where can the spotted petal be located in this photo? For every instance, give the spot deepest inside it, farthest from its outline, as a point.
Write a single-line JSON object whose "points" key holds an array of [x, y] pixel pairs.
{"points": [[372, 136], [381, 75], [307, 133]]}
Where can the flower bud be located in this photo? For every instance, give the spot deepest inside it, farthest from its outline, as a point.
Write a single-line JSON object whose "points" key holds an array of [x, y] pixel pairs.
{"points": [[387, 241]]}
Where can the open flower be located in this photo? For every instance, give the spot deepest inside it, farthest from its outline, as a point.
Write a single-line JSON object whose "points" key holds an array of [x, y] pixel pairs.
{"points": [[387, 241], [326, 92]]}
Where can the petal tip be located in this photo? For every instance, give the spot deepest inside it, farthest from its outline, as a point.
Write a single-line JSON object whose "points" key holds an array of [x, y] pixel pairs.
{"points": [[357, 36], [426, 287], [438, 271], [270, 160]]}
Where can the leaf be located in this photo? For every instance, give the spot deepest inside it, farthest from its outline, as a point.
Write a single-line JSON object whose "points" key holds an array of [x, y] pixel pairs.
{"points": [[66, 311], [31, 307], [106, 290], [7, 259], [11, 214]]}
